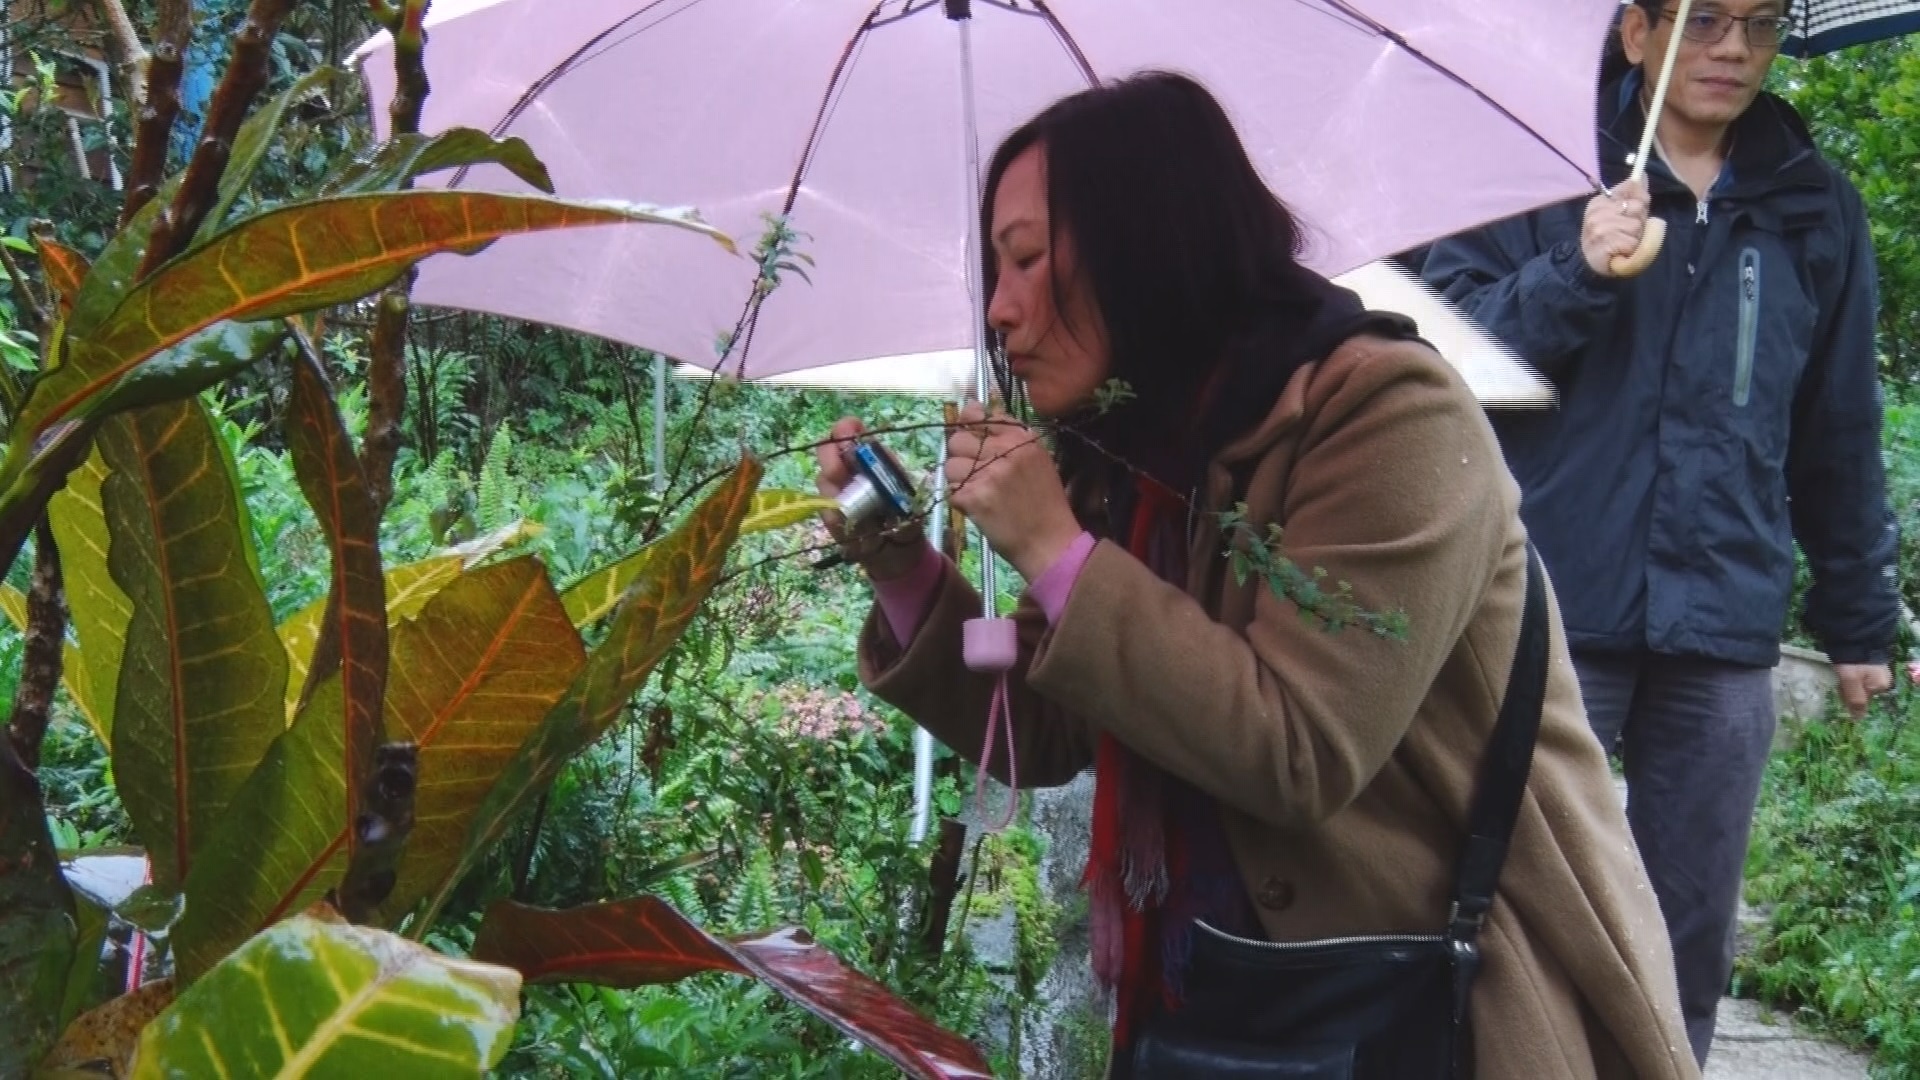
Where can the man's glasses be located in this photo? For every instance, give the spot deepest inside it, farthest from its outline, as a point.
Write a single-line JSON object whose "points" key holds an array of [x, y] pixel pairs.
{"points": [[1710, 28]]}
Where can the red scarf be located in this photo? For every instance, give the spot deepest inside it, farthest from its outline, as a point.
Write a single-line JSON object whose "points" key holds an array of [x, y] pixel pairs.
{"points": [[1158, 858]]}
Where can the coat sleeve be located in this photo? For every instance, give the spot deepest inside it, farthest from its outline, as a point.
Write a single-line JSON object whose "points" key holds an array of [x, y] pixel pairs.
{"points": [[1836, 478], [1542, 299], [1397, 488], [927, 681]]}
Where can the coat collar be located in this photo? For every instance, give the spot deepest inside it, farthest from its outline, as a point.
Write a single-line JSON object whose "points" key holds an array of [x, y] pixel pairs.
{"points": [[1772, 148]]}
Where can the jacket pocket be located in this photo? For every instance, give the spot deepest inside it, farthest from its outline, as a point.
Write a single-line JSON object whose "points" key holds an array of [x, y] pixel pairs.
{"points": [[1749, 326]]}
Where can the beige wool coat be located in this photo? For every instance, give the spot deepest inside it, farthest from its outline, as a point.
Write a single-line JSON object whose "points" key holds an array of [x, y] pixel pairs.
{"points": [[1344, 762]]}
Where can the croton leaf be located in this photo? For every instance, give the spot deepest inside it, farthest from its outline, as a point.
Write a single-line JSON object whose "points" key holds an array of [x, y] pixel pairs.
{"points": [[353, 633], [316, 997], [410, 155], [589, 599], [112, 276], [778, 508], [37, 921], [251, 143], [198, 700], [281, 845], [64, 267], [292, 259], [657, 608], [644, 941], [96, 607], [409, 588], [473, 676], [193, 365], [100, 1042]]}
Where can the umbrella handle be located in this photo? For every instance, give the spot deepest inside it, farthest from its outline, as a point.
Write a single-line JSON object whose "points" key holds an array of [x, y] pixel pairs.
{"points": [[1626, 266], [1656, 229]]}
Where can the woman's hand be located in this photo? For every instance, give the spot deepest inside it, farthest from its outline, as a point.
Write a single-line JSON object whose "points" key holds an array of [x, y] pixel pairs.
{"points": [[883, 554], [1001, 476]]}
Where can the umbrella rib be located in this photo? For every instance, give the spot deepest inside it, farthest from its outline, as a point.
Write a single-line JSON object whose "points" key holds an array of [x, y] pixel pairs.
{"points": [[1067, 42], [561, 69], [1395, 38]]}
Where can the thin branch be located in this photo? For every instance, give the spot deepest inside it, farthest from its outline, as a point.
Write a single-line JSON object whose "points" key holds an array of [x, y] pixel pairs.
{"points": [[158, 107], [40, 664], [30, 302], [386, 392], [387, 356], [134, 55], [200, 189]]}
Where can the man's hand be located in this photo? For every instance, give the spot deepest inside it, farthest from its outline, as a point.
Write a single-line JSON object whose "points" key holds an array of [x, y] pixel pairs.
{"points": [[1613, 224], [1860, 683]]}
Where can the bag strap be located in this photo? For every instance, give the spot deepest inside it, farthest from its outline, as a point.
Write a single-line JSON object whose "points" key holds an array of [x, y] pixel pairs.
{"points": [[1504, 771]]}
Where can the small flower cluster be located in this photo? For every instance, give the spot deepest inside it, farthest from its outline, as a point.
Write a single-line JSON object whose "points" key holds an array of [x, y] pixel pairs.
{"points": [[812, 713]]}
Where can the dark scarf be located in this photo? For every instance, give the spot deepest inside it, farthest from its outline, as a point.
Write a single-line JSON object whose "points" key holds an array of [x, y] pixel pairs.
{"points": [[1159, 858]]}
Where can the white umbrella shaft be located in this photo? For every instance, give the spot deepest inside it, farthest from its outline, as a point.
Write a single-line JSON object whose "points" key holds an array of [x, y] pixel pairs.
{"points": [[962, 18], [1659, 101]]}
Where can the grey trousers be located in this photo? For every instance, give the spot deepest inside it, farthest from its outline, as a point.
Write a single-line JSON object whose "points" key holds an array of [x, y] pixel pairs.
{"points": [[1693, 737]]}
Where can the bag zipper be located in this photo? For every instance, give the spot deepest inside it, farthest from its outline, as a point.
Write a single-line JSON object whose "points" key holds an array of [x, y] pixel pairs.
{"points": [[1301, 946], [1749, 327]]}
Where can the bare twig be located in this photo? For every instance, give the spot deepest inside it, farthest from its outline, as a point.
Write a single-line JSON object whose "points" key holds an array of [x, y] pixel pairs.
{"points": [[386, 392], [387, 356], [384, 823], [200, 189], [133, 54], [159, 106], [40, 664], [943, 886], [30, 302]]}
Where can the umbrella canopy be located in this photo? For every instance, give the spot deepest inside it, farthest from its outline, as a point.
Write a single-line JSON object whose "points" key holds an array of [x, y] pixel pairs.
{"points": [[1822, 26], [1496, 374], [1383, 123]]}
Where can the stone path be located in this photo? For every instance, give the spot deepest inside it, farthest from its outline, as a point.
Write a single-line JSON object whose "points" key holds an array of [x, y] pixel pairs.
{"points": [[1750, 1043]]}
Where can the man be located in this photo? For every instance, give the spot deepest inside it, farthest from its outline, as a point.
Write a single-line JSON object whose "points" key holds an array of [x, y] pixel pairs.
{"points": [[1712, 410]]}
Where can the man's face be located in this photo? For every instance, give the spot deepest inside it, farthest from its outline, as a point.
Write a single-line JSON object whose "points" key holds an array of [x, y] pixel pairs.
{"points": [[1713, 81]]}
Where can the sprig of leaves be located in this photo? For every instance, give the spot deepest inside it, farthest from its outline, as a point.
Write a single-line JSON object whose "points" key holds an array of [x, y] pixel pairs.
{"points": [[1254, 552], [779, 253], [1112, 394]]}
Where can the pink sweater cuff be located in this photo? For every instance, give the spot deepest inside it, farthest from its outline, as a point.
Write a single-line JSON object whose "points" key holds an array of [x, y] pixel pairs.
{"points": [[905, 600], [1051, 589]]}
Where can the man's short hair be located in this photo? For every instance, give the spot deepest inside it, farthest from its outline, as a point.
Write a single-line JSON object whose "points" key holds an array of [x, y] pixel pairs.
{"points": [[1655, 7]]}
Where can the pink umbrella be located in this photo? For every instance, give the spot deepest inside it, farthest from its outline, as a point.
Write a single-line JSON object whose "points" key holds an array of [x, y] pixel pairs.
{"points": [[1384, 123]]}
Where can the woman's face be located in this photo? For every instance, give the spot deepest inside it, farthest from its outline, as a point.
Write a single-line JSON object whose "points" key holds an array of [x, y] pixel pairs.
{"points": [[1061, 355]]}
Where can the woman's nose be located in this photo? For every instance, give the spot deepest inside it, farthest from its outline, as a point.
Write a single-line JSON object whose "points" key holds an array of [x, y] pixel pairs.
{"points": [[1000, 309]]}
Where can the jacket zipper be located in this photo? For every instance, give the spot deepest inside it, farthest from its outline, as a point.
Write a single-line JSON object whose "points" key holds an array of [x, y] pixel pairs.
{"points": [[1749, 326], [1299, 946]]}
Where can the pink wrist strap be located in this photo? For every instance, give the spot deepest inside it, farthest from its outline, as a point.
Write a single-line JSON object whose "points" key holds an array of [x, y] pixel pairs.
{"points": [[992, 647]]}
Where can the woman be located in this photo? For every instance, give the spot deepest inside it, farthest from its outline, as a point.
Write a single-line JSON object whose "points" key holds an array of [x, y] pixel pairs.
{"points": [[1254, 771]]}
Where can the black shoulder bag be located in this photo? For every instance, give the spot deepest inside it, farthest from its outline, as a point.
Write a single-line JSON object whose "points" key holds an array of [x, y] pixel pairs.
{"points": [[1379, 1007]]}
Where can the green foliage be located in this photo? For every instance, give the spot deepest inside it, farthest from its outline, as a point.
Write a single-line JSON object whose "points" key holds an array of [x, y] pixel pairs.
{"points": [[1252, 553], [1864, 107], [1836, 858]]}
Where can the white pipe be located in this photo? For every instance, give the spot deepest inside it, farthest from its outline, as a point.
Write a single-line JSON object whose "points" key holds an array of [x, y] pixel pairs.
{"points": [[659, 423], [6, 118], [922, 738]]}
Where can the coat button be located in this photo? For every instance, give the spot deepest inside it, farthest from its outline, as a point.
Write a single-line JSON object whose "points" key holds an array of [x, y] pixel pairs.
{"points": [[1276, 894]]}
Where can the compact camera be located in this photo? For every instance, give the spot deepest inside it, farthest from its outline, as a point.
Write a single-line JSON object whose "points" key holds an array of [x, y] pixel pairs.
{"points": [[880, 490]]}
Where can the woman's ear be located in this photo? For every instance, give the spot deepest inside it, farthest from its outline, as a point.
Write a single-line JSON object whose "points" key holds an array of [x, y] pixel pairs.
{"points": [[1634, 28]]}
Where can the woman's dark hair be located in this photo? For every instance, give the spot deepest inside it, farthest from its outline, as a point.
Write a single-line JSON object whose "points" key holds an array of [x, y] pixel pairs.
{"points": [[1184, 247]]}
